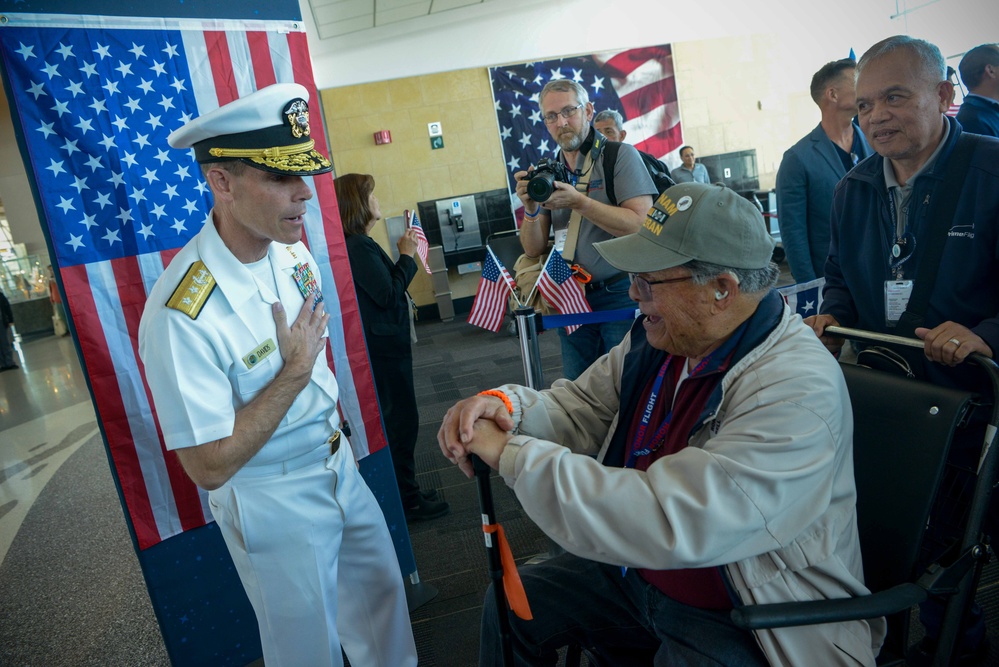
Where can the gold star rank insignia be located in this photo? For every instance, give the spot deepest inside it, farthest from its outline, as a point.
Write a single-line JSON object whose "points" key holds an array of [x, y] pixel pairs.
{"points": [[193, 291]]}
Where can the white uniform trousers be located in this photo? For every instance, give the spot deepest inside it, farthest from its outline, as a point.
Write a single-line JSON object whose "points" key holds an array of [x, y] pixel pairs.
{"points": [[317, 562]]}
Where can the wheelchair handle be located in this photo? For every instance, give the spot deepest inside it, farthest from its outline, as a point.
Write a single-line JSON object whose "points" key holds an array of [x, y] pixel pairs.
{"points": [[872, 337]]}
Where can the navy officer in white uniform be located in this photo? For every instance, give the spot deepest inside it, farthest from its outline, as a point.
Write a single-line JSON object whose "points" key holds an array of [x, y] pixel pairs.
{"points": [[233, 340]]}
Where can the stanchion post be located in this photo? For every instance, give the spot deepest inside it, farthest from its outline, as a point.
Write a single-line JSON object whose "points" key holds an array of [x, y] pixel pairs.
{"points": [[530, 351]]}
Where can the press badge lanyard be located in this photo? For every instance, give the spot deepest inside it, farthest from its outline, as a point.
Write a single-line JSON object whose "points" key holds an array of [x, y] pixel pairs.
{"points": [[897, 290], [567, 237]]}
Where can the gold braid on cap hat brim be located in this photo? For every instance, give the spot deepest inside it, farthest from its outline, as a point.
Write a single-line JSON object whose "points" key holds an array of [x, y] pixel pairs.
{"points": [[296, 157]]}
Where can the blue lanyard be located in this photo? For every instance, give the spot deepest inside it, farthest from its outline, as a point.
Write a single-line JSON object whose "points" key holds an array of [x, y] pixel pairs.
{"points": [[639, 448]]}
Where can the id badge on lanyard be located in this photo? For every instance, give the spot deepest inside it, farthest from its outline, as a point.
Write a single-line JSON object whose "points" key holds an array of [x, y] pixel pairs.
{"points": [[897, 294], [560, 236]]}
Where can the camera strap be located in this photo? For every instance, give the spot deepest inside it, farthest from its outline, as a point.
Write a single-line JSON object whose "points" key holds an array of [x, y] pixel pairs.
{"points": [[582, 185]]}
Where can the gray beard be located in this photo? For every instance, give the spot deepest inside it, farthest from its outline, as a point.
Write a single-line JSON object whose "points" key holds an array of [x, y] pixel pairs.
{"points": [[571, 144]]}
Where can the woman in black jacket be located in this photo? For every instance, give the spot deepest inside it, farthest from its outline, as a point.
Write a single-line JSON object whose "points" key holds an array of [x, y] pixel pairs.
{"points": [[384, 304]]}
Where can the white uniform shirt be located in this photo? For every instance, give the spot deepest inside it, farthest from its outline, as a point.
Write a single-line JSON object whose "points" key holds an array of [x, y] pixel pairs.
{"points": [[200, 371]]}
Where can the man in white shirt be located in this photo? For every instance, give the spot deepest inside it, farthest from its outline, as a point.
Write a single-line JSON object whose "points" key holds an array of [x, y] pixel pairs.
{"points": [[232, 341]]}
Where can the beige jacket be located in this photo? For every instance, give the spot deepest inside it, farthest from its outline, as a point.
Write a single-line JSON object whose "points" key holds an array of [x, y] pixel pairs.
{"points": [[765, 487]]}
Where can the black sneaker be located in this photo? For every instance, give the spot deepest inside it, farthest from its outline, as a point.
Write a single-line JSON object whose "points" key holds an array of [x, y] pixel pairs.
{"points": [[430, 494], [424, 510]]}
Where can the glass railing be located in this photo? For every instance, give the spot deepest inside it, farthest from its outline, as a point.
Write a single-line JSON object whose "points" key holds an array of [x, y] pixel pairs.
{"points": [[23, 278]]}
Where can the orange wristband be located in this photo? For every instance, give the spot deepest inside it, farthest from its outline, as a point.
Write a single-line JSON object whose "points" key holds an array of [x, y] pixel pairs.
{"points": [[501, 396]]}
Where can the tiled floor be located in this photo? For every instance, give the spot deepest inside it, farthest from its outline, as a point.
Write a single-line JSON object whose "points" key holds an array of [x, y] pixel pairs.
{"points": [[45, 415], [71, 592]]}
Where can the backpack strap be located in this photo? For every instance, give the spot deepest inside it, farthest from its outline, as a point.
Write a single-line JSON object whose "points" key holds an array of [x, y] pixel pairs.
{"points": [[610, 160]]}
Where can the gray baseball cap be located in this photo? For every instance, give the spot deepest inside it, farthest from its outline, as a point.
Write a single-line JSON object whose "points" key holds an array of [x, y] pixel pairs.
{"points": [[694, 221]]}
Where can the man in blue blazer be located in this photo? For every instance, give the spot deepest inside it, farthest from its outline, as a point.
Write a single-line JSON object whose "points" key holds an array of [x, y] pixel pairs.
{"points": [[812, 167], [980, 72]]}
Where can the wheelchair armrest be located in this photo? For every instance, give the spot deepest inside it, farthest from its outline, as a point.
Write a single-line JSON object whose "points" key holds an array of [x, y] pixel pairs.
{"points": [[943, 580], [786, 614]]}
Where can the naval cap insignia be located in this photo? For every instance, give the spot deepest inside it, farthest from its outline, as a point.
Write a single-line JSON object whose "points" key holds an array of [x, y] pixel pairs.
{"points": [[297, 113]]}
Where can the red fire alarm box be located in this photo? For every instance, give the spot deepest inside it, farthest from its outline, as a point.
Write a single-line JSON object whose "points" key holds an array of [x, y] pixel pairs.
{"points": [[383, 137]]}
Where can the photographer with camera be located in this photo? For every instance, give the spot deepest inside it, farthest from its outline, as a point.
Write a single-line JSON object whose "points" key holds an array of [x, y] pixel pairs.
{"points": [[567, 194]]}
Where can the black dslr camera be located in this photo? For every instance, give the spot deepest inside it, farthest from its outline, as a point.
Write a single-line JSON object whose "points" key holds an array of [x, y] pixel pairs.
{"points": [[542, 180]]}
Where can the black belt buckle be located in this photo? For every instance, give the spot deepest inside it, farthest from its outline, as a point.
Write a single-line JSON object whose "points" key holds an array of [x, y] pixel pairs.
{"points": [[334, 442]]}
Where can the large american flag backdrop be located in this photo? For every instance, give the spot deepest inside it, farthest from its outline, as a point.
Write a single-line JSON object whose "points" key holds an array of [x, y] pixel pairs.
{"points": [[95, 98], [639, 83]]}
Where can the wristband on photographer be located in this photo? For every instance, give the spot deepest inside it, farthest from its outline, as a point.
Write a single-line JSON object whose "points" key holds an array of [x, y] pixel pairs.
{"points": [[532, 216], [501, 396]]}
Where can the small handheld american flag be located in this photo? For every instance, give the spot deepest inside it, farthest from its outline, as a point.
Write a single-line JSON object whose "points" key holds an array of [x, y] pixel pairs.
{"points": [[422, 247], [495, 286], [558, 288]]}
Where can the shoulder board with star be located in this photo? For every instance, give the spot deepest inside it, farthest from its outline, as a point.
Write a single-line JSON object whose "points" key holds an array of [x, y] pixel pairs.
{"points": [[193, 291]]}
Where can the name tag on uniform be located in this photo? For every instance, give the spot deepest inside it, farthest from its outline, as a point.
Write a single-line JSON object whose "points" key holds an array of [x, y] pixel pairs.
{"points": [[897, 294], [255, 357]]}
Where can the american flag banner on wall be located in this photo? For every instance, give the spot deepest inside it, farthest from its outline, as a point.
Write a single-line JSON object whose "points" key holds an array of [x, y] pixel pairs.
{"points": [[96, 98], [639, 83]]}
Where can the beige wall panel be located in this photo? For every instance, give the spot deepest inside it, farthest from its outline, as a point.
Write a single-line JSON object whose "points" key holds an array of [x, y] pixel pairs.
{"points": [[736, 93], [407, 171], [436, 182]]}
